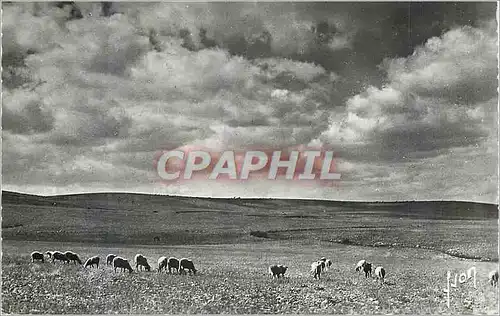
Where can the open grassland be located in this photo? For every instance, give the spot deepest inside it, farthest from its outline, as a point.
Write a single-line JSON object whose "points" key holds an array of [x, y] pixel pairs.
{"points": [[233, 241], [462, 229], [233, 279]]}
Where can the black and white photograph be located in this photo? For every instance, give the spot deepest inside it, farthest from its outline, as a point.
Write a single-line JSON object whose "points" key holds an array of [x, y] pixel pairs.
{"points": [[250, 157]]}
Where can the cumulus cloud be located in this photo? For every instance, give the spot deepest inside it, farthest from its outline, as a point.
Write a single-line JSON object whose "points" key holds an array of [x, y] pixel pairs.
{"points": [[458, 67], [105, 87], [441, 96], [245, 29], [24, 113]]}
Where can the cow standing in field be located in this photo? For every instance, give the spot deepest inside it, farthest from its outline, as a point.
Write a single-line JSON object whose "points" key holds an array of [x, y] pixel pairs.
{"points": [[316, 269], [92, 261], [380, 273], [325, 264], [141, 261], [328, 264], [277, 270], [122, 263], [162, 263], [35, 255], [173, 263], [367, 269], [493, 278], [56, 255], [360, 265], [109, 259], [184, 264], [73, 257]]}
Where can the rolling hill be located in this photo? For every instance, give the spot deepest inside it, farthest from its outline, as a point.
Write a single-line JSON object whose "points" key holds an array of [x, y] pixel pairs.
{"points": [[460, 228]]}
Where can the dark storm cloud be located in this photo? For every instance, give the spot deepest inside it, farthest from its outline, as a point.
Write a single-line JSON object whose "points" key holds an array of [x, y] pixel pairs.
{"points": [[388, 30], [440, 97]]}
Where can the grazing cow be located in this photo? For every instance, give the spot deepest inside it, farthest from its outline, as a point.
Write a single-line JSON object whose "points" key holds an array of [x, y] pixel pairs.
{"points": [[49, 253], [35, 255], [162, 263], [322, 264], [325, 264], [493, 278], [122, 263], [316, 269], [328, 263], [173, 263], [56, 255], [277, 270], [109, 259], [92, 261], [185, 263], [360, 265], [73, 257], [140, 260], [380, 273], [367, 269]]}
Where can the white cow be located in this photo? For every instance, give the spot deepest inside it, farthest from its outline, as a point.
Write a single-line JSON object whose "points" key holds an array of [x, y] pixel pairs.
{"points": [[360, 265], [317, 268], [493, 278], [380, 273], [162, 263]]}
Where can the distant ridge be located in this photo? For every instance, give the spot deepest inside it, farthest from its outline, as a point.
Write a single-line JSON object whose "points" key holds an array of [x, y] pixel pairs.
{"points": [[119, 201], [462, 229], [9, 196]]}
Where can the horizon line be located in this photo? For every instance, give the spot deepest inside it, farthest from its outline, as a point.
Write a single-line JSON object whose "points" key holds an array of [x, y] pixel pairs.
{"points": [[247, 198]]}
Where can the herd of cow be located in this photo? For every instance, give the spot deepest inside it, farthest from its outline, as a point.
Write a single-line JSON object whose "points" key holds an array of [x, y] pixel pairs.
{"points": [[180, 266], [323, 264]]}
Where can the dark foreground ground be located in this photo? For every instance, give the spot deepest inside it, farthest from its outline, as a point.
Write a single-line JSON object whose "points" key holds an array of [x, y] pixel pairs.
{"points": [[233, 241]]}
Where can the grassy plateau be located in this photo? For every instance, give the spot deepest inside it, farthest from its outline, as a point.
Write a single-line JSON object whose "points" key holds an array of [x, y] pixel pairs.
{"points": [[233, 241]]}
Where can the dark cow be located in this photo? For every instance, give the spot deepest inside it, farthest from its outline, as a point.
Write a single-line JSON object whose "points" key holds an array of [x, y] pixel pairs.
{"points": [[73, 257], [367, 269], [140, 260], [109, 259], [35, 255], [186, 264], [56, 255], [277, 270], [92, 261], [119, 262], [173, 263]]}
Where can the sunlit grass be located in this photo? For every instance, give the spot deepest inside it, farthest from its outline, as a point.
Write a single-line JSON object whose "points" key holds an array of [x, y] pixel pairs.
{"points": [[234, 279]]}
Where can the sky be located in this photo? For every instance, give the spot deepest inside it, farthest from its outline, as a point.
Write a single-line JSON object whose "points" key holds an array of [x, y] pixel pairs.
{"points": [[404, 94]]}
